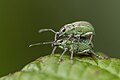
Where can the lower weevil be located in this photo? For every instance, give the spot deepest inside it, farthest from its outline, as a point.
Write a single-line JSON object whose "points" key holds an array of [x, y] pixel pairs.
{"points": [[75, 37]]}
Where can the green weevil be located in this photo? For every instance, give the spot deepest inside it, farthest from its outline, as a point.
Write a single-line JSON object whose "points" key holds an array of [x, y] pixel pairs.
{"points": [[75, 37], [79, 29]]}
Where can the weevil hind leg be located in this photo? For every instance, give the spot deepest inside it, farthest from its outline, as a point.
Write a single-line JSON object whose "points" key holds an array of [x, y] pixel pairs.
{"points": [[98, 56], [88, 51], [60, 59]]}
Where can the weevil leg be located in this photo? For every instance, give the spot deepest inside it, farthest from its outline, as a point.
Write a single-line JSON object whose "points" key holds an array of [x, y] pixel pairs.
{"points": [[68, 38], [88, 51], [90, 39], [60, 59], [98, 56], [83, 52], [42, 30], [91, 36], [72, 52], [53, 51]]}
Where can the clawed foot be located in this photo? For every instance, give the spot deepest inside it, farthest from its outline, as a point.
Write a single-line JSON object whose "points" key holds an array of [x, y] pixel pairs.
{"points": [[60, 60], [103, 57]]}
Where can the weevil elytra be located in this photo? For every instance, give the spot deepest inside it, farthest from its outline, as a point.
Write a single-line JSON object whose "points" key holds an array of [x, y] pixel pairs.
{"points": [[75, 37]]}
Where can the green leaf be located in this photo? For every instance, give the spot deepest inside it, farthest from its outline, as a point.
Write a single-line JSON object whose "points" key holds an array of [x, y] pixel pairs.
{"points": [[84, 68]]}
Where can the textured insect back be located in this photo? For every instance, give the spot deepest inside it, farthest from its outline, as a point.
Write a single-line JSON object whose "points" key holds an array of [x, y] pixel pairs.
{"points": [[76, 29], [83, 27]]}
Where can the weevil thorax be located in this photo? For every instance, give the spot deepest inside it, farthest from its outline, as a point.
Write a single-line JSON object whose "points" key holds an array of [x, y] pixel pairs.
{"points": [[76, 28]]}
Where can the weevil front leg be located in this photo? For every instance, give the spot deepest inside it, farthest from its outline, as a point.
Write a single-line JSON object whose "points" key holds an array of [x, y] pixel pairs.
{"points": [[60, 59], [72, 52], [53, 51]]}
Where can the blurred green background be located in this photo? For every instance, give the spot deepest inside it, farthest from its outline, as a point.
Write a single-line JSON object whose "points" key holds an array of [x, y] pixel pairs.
{"points": [[20, 21]]}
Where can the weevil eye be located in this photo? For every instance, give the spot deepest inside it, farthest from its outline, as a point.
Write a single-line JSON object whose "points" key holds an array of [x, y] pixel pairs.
{"points": [[57, 35], [61, 41], [62, 30]]}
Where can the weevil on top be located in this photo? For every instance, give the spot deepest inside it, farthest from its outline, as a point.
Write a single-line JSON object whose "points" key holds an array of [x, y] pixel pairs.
{"points": [[75, 37]]}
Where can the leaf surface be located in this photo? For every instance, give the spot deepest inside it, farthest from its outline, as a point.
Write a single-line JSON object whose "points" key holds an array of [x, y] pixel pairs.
{"points": [[85, 68]]}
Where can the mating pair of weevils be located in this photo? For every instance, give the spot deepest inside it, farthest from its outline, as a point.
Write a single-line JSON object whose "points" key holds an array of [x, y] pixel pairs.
{"points": [[75, 37]]}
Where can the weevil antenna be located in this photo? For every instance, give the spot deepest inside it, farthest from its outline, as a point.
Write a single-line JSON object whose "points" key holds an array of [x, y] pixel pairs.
{"points": [[40, 44], [42, 30]]}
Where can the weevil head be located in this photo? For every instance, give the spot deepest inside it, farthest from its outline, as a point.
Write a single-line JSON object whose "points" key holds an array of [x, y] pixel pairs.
{"points": [[65, 30], [76, 28]]}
